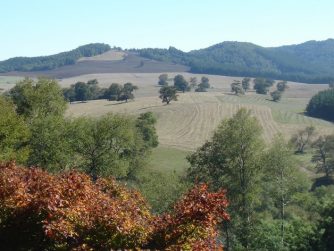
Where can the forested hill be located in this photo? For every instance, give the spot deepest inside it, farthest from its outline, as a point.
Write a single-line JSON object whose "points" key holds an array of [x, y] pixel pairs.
{"points": [[312, 61], [309, 62], [54, 61]]}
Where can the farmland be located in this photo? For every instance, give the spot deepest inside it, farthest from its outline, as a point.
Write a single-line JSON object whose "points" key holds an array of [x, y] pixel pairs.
{"points": [[189, 122]]}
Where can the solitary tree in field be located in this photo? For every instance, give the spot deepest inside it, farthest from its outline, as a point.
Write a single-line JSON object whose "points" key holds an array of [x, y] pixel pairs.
{"points": [[180, 83], [236, 87], [276, 95], [167, 94], [163, 78], [303, 138], [282, 86], [246, 84]]}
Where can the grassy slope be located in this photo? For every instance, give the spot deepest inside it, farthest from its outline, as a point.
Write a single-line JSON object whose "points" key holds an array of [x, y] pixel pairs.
{"points": [[166, 159]]}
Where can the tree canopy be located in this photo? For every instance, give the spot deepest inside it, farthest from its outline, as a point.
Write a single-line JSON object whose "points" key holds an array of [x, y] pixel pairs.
{"points": [[167, 94], [180, 83], [321, 105], [39, 98]]}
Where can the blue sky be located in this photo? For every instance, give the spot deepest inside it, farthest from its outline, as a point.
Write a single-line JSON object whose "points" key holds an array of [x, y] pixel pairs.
{"points": [[42, 27]]}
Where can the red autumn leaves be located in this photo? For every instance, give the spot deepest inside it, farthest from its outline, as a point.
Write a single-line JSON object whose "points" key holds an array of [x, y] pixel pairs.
{"points": [[71, 211]]}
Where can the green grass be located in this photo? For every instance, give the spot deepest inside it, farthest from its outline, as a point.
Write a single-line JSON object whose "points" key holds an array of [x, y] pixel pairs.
{"points": [[286, 111], [165, 159]]}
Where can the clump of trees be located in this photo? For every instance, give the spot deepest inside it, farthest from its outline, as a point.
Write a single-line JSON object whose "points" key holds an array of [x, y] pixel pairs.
{"points": [[70, 211], [262, 85], [321, 105], [203, 85], [181, 84], [82, 91], [240, 87], [280, 88]]}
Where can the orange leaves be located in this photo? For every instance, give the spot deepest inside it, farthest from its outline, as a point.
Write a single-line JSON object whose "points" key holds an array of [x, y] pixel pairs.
{"points": [[71, 211], [192, 224]]}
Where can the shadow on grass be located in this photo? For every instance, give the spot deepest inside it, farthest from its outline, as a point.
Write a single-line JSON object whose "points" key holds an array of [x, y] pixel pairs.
{"points": [[322, 181], [153, 106], [120, 103]]}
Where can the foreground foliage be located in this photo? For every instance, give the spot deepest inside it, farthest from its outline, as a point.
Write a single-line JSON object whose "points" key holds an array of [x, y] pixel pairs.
{"points": [[40, 211]]}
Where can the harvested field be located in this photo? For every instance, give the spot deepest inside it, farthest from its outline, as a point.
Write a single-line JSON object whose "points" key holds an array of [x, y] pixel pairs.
{"points": [[189, 122], [107, 56], [131, 63]]}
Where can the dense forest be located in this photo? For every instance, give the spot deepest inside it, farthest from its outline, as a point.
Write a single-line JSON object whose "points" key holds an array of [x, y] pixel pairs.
{"points": [[310, 62], [54, 61]]}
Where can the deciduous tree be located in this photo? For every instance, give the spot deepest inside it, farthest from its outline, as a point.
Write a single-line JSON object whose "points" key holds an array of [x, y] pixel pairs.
{"points": [[232, 159], [303, 138], [167, 94], [180, 83]]}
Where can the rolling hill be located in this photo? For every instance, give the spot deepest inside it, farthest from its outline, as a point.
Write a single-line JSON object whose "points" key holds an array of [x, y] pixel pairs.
{"points": [[309, 62]]}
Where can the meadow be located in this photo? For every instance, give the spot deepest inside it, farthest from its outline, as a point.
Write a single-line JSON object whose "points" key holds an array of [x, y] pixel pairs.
{"points": [[187, 123]]}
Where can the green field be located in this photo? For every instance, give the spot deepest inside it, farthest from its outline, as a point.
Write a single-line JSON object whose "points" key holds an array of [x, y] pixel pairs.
{"points": [[166, 159]]}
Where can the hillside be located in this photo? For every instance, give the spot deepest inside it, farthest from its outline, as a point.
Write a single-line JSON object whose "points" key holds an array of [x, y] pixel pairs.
{"points": [[311, 61], [54, 61]]}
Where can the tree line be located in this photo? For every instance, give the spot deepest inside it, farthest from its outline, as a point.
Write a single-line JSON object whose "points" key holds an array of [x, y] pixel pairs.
{"points": [[261, 86], [84, 91], [169, 93]]}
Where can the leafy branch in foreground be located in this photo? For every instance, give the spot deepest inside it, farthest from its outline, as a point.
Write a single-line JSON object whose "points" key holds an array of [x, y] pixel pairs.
{"points": [[69, 211]]}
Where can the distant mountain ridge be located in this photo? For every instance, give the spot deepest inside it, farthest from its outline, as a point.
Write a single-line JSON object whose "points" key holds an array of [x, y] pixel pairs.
{"points": [[310, 62]]}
